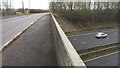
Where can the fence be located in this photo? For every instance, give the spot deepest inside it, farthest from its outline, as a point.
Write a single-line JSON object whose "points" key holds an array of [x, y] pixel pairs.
{"points": [[66, 54]]}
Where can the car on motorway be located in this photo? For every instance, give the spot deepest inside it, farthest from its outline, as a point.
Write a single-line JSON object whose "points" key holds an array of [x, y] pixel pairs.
{"points": [[101, 35]]}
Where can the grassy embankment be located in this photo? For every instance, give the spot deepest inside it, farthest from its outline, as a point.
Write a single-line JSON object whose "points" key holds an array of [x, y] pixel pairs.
{"points": [[71, 28], [91, 53]]}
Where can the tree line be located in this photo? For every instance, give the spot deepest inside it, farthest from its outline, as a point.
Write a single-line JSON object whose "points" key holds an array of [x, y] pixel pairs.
{"points": [[87, 12], [6, 5]]}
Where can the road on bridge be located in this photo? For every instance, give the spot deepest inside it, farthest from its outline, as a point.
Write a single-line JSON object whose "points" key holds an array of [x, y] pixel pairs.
{"points": [[35, 47], [86, 41], [13, 26]]}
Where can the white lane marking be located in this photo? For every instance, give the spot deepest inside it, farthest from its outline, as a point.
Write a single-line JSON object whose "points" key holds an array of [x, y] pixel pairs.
{"points": [[20, 33], [100, 45], [102, 56], [76, 35], [83, 42], [92, 33], [74, 39], [16, 36]]}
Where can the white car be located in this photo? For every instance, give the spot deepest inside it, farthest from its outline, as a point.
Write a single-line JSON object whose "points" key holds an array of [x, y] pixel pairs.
{"points": [[101, 35]]}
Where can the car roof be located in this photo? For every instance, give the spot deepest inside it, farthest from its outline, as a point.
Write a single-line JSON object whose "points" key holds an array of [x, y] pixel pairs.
{"points": [[100, 33]]}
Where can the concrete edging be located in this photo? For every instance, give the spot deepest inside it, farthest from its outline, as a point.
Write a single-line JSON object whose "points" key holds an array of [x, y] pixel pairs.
{"points": [[71, 52], [2, 47]]}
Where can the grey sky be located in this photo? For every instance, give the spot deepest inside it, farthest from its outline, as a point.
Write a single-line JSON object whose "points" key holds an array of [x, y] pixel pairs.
{"points": [[34, 4]]}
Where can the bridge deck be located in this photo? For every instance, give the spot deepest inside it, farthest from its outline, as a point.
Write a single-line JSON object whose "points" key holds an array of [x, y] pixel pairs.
{"points": [[34, 47]]}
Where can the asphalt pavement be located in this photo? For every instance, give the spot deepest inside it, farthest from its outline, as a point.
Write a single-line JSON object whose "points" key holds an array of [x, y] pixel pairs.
{"points": [[4, 17], [14, 25], [88, 40], [35, 47], [0, 59], [109, 60]]}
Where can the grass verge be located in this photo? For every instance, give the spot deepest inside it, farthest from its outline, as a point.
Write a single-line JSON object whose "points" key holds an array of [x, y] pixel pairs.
{"points": [[71, 28], [101, 52], [96, 48], [17, 37]]}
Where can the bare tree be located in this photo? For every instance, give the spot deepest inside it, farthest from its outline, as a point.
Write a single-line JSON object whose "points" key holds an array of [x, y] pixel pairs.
{"points": [[0, 5], [23, 6], [7, 5]]}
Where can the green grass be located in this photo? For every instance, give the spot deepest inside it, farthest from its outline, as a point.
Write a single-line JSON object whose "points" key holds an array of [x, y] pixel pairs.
{"points": [[100, 53], [97, 48], [89, 30], [84, 28]]}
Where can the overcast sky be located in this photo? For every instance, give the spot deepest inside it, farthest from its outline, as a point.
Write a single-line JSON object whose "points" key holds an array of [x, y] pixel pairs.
{"points": [[34, 4]]}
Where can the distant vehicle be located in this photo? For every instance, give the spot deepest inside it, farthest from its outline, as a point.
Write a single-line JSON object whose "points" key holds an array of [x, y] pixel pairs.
{"points": [[101, 35]]}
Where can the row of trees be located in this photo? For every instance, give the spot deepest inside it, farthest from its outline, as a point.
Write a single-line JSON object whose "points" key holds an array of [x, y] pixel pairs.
{"points": [[61, 6], [33, 10], [6, 5], [85, 12]]}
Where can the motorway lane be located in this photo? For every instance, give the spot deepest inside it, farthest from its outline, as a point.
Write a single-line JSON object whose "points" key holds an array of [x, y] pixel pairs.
{"points": [[85, 41], [110, 60], [12, 26]]}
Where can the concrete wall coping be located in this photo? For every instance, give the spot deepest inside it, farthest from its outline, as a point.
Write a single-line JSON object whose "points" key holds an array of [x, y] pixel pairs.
{"points": [[73, 55]]}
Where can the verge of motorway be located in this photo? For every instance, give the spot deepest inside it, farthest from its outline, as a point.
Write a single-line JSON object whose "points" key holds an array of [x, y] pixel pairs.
{"points": [[99, 48], [92, 53], [91, 31], [102, 56], [107, 61]]}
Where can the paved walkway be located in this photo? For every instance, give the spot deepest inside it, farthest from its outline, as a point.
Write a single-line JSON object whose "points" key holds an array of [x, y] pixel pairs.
{"points": [[34, 48]]}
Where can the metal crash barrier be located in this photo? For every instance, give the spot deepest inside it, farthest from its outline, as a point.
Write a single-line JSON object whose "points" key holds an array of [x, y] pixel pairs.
{"points": [[66, 54]]}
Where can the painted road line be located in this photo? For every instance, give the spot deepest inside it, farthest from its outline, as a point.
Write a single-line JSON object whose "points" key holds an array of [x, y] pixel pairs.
{"points": [[102, 56], [19, 33], [91, 33], [98, 50], [83, 42], [100, 45], [16, 36], [74, 39]]}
